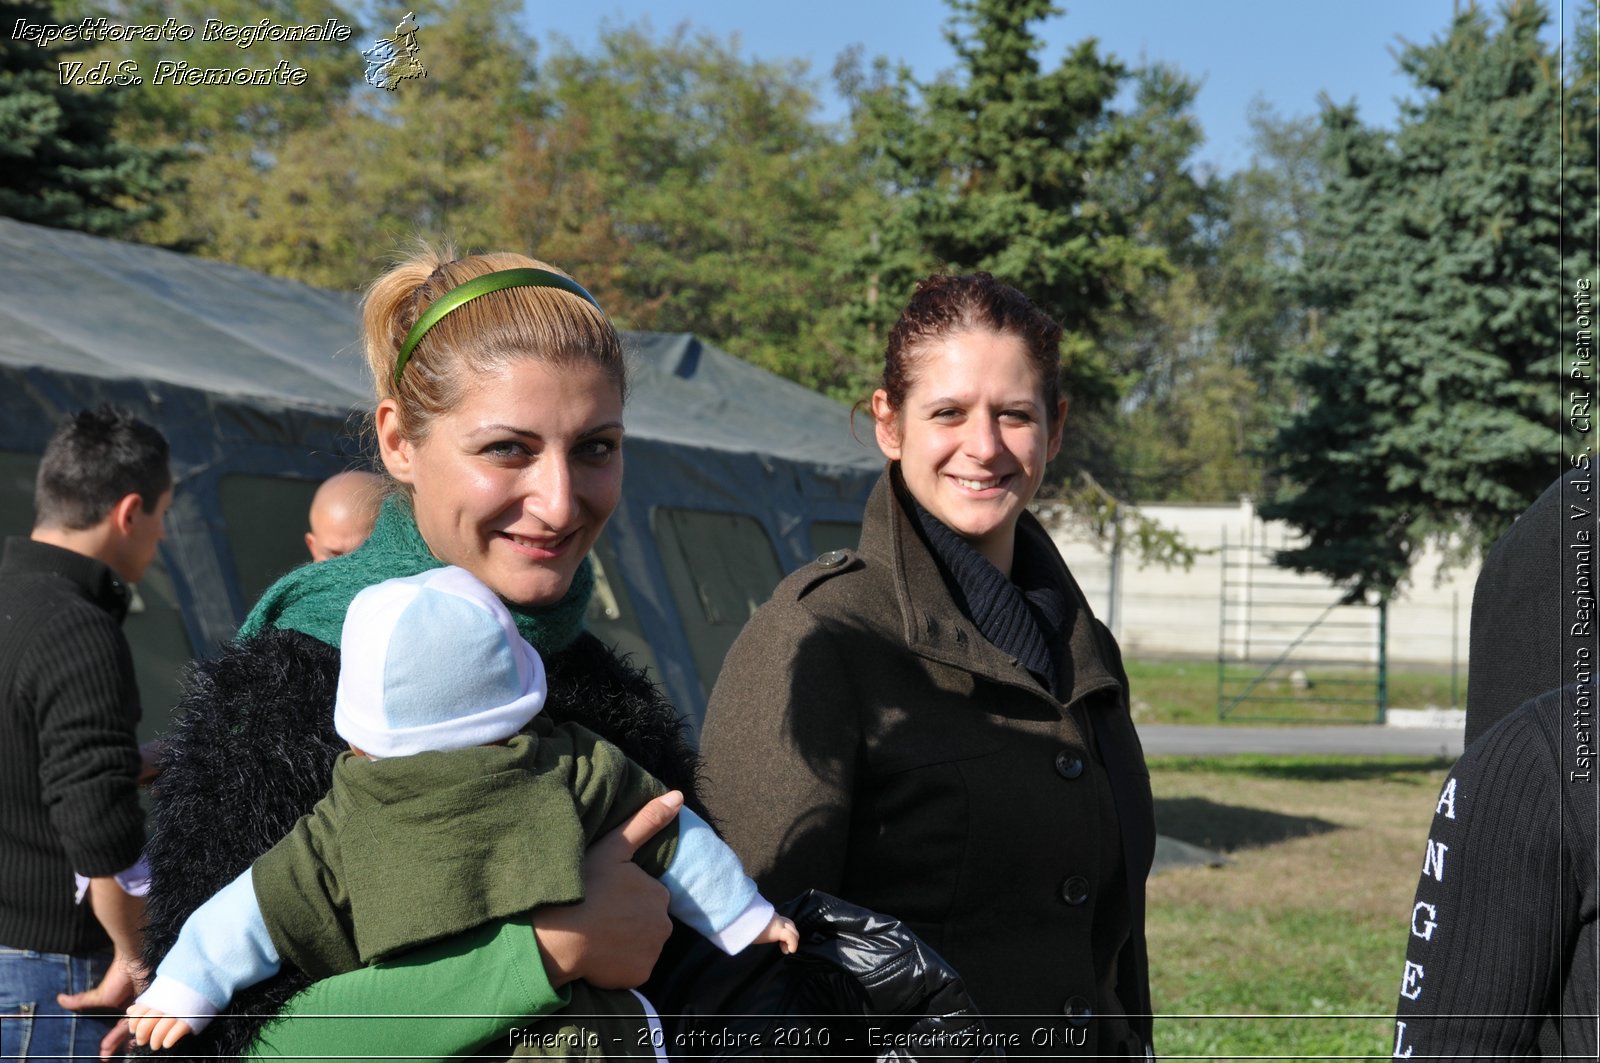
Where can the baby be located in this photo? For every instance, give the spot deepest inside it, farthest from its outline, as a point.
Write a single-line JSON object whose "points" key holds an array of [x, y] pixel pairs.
{"points": [[442, 817]]}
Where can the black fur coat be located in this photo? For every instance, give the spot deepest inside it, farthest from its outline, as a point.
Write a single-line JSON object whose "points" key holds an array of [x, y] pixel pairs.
{"points": [[253, 750]]}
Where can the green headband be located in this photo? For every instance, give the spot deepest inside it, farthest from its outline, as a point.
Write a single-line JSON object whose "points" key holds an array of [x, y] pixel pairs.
{"points": [[498, 281]]}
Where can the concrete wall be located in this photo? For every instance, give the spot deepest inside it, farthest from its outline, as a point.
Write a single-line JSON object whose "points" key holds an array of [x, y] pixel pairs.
{"points": [[1158, 612]]}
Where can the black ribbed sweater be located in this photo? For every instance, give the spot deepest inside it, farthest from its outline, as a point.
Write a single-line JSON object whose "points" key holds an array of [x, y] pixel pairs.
{"points": [[69, 755], [1502, 952]]}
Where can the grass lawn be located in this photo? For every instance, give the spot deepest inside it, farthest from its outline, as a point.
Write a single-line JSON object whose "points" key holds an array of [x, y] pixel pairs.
{"points": [[1308, 919], [1186, 692]]}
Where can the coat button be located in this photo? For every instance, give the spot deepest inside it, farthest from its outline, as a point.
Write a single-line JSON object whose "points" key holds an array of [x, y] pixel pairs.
{"points": [[1077, 1011], [1075, 890], [1069, 764], [832, 559]]}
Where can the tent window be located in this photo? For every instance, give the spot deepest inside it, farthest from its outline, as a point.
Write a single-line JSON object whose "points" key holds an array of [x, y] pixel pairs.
{"points": [[154, 627], [266, 523], [161, 648], [720, 568], [611, 614], [17, 473], [834, 535]]}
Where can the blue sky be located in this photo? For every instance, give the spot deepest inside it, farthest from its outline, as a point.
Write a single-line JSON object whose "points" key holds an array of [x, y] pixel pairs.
{"points": [[1283, 51]]}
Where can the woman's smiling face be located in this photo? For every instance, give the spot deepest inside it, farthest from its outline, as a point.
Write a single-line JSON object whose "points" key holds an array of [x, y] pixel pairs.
{"points": [[973, 435], [516, 481]]}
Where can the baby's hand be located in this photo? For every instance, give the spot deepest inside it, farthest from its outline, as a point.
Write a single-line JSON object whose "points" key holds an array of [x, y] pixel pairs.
{"points": [[781, 930], [155, 1028]]}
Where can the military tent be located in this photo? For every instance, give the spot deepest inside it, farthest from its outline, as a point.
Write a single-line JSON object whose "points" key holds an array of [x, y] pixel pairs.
{"points": [[734, 476]]}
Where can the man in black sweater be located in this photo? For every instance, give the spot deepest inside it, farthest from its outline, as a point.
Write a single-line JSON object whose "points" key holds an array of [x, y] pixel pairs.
{"points": [[69, 758], [1501, 959]]}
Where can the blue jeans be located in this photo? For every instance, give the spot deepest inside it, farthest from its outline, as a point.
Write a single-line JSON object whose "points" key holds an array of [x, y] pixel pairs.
{"points": [[32, 1024]]}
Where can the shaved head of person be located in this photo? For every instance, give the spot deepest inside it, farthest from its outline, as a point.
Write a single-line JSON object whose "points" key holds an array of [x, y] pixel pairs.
{"points": [[343, 513]]}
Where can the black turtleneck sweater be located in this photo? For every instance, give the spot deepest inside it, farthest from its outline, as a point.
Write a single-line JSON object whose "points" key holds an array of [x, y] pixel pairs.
{"points": [[1501, 954], [1022, 614], [69, 755]]}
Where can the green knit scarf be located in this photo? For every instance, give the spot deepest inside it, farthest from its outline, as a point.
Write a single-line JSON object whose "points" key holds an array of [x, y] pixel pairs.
{"points": [[314, 597]]}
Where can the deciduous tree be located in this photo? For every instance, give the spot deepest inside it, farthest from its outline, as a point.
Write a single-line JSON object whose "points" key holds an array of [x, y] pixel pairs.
{"points": [[691, 187]]}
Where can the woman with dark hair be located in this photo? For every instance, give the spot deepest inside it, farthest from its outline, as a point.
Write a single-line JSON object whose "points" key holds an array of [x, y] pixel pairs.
{"points": [[935, 726]]}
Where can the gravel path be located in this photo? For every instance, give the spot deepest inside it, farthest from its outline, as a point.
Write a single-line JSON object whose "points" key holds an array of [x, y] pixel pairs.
{"points": [[1359, 739]]}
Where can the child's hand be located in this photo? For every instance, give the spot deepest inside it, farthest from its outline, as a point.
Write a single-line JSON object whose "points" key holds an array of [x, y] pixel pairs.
{"points": [[783, 931], [155, 1028]]}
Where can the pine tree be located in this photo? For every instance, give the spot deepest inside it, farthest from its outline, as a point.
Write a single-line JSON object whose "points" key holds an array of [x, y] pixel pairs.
{"points": [[1429, 404], [1034, 176], [60, 162], [235, 143]]}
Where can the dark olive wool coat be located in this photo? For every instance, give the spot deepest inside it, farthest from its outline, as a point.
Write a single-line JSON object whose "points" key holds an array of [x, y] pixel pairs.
{"points": [[865, 739]]}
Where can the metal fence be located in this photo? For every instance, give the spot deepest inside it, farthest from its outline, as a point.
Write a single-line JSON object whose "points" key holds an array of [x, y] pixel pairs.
{"points": [[1290, 648]]}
